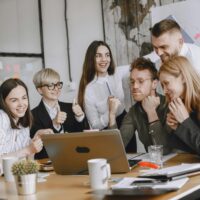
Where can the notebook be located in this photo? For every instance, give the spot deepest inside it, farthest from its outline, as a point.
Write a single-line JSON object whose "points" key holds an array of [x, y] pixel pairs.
{"points": [[173, 172], [69, 152]]}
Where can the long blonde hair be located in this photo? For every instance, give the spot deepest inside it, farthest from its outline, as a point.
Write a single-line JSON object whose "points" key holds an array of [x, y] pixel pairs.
{"points": [[179, 65]]}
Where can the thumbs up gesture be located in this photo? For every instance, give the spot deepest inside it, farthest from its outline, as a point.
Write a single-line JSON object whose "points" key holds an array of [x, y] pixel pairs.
{"points": [[60, 117], [77, 109]]}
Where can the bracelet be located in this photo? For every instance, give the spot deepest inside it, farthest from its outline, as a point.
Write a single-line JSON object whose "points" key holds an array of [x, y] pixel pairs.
{"points": [[153, 121]]}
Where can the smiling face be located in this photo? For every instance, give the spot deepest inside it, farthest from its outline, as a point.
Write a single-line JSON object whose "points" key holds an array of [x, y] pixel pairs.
{"points": [[142, 84], [103, 60], [50, 95], [173, 86], [167, 44], [17, 102]]}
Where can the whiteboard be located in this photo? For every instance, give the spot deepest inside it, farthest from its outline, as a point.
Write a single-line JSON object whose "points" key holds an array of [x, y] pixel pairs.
{"points": [[23, 68]]}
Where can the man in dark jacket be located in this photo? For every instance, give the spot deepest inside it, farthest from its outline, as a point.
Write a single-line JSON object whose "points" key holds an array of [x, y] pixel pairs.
{"points": [[148, 115]]}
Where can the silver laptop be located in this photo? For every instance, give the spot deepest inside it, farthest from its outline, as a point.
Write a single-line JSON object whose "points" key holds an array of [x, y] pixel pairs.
{"points": [[69, 152]]}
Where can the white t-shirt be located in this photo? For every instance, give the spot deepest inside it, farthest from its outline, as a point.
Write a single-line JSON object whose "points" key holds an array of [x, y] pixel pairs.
{"points": [[192, 53]]}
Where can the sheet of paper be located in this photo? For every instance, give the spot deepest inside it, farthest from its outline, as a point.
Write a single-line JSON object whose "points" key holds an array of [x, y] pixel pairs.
{"points": [[132, 156], [145, 156], [183, 168], [126, 183], [41, 177]]}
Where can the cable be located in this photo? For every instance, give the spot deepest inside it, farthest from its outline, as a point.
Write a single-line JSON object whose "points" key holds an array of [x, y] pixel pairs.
{"points": [[67, 36], [41, 32], [103, 22]]}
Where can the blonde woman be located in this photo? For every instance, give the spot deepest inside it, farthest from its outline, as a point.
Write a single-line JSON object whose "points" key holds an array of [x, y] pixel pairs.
{"points": [[181, 85], [51, 113]]}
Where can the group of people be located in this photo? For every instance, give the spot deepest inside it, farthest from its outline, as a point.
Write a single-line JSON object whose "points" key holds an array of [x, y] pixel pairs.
{"points": [[171, 119]]}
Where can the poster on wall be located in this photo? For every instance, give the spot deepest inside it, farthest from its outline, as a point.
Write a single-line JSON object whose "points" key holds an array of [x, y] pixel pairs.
{"points": [[127, 28], [126, 25]]}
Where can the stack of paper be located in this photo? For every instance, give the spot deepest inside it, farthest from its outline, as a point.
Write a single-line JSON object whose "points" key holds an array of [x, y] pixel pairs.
{"points": [[128, 183], [174, 172]]}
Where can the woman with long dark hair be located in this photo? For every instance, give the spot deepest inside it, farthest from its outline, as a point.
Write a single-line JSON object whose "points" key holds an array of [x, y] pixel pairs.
{"points": [[100, 87], [16, 120]]}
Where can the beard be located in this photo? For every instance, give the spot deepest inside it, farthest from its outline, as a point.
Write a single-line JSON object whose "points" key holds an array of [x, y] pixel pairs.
{"points": [[165, 56]]}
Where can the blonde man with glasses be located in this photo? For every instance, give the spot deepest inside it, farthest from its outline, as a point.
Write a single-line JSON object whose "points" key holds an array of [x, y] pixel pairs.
{"points": [[51, 113], [148, 115]]}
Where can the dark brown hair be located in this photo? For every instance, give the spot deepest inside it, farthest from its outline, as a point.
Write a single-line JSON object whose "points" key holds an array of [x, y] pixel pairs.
{"points": [[144, 63], [89, 68], [165, 26], [5, 88]]}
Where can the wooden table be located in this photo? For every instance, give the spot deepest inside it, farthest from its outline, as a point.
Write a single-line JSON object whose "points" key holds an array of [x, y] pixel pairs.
{"points": [[58, 187]]}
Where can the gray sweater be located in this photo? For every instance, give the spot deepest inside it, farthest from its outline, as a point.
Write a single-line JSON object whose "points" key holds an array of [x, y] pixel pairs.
{"points": [[155, 133]]}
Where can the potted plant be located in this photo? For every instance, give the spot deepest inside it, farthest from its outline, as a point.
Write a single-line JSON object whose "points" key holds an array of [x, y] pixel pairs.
{"points": [[25, 172]]}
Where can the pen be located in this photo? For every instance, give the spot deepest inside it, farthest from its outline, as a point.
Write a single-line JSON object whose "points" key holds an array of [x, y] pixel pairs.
{"points": [[186, 175], [108, 89], [148, 164]]}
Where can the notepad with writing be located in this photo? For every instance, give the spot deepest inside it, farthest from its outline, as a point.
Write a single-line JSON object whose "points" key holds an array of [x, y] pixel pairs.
{"points": [[172, 173]]}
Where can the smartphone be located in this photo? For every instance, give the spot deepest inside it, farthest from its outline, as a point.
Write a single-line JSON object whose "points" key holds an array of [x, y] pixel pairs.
{"points": [[133, 163], [46, 167]]}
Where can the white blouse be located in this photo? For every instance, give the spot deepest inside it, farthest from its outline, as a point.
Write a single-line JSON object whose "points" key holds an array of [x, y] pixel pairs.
{"points": [[96, 99], [12, 140]]}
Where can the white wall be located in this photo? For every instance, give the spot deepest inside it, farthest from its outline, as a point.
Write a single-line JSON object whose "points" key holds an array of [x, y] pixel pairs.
{"points": [[85, 25], [21, 34], [19, 26]]}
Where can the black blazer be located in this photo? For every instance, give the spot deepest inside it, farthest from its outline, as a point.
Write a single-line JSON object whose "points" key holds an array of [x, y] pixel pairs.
{"points": [[42, 120]]}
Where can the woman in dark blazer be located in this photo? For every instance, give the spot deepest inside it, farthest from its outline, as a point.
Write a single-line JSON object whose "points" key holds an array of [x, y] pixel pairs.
{"points": [[50, 113]]}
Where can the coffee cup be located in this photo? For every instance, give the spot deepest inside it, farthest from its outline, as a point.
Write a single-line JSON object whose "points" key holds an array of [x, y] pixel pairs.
{"points": [[99, 173], [7, 163]]}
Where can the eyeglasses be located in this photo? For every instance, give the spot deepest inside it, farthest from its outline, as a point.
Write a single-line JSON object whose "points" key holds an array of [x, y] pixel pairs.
{"points": [[52, 86], [139, 81]]}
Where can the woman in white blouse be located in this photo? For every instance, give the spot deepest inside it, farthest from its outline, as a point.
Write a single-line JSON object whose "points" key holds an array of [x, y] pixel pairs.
{"points": [[100, 87], [15, 120]]}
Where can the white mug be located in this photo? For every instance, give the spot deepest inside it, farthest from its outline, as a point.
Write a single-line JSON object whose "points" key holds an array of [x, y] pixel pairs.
{"points": [[99, 173], [7, 163]]}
